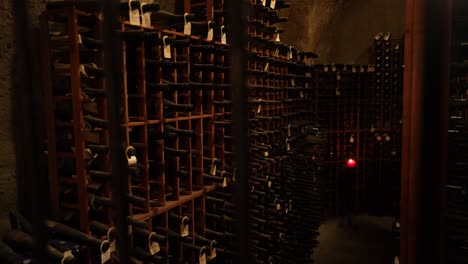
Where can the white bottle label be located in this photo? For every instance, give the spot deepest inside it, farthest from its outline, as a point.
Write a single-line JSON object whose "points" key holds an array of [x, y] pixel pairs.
{"points": [[187, 26], [134, 14], [154, 248], [167, 49], [272, 4], [210, 32]]}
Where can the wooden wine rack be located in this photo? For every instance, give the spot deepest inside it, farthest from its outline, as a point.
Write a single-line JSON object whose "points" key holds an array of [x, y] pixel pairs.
{"points": [[173, 178]]}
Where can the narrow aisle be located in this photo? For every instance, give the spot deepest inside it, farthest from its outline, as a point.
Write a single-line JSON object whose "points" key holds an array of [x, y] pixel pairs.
{"points": [[369, 240]]}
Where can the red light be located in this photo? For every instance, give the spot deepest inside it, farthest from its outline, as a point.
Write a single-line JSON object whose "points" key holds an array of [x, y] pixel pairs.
{"points": [[351, 163]]}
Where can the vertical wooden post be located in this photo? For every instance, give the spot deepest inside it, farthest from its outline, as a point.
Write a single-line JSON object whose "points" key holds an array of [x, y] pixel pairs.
{"points": [[424, 150]]}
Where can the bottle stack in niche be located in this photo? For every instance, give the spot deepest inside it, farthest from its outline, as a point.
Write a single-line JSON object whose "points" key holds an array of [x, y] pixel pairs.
{"points": [[175, 114], [361, 105]]}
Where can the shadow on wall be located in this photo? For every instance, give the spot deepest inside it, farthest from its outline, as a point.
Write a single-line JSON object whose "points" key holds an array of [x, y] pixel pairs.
{"points": [[341, 31]]}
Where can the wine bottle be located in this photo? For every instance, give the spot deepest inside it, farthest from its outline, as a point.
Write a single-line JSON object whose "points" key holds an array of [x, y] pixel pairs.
{"points": [[94, 122], [145, 235], [165, 63], [100, 175], [179, 218], [172, 235], [150, 7], [165, 20], [225, 123], [170, 107], [178, 131], [100, 229], [176, 152], [198, 28], [195, 249], [75, 235], [22, 241]]}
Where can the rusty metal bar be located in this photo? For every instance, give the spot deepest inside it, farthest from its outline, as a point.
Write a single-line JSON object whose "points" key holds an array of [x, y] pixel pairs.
{"points": [[27, 129], [114, 81], [240, 125], [424, 157]]}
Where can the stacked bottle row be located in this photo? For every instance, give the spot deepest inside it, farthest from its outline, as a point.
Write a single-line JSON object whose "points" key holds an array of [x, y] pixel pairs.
{"points": [[342, 96], [281, 106], [457, 180], [384, 122], [304, 175]]}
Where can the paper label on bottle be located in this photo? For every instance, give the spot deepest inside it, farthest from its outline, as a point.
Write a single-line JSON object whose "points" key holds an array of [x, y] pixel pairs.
{"points": [[224, 182], [134, 14], [213, 169], [269, 184], [223, 38], [351, 139], [338, 77], [301, 93], [333, 68], [112, 247], [83, 71], [202, 259], [337, 91], [379, 138], [325, 68], [293, 82], [213, 253], [277, 37], [184, 230], [264, 2], [167, 49], [387, 138], [66, 255], [276, 52], [286, 210], [259, 109], [130, 229], [266, 154], [278, 206], [272, 4], [372, 129], [267, 66], [146, 19], [210, 34], [288, 147], [188, 28], [154, 247], [105, 256]]}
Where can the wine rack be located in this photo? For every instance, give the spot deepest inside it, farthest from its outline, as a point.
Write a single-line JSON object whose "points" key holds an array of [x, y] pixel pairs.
{"points": [[383, 122], [457, 181], [176, 118], [361, 105]]}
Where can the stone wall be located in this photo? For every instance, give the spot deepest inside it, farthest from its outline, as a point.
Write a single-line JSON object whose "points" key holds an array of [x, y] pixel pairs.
{"points": [[7, 55]]}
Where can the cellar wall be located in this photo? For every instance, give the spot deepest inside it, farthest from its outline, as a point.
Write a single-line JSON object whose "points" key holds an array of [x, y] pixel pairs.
{"points": [[341, 31]]}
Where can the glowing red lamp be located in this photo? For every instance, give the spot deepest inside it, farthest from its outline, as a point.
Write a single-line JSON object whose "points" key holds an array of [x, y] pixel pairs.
{"points": [[351, 163]]}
